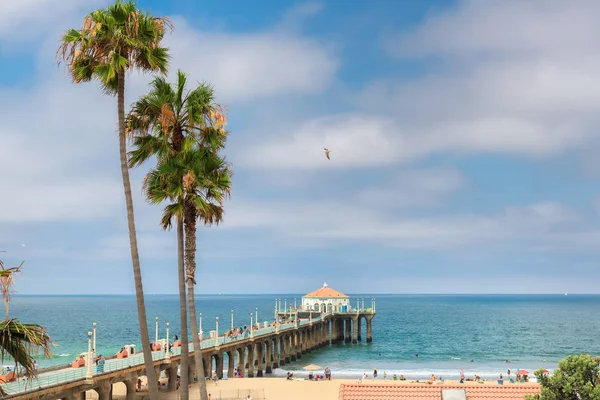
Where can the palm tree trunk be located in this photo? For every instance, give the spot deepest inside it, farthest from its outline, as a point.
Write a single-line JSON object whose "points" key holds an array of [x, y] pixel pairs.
{"points": [[190, 258], [135, 256], [185, 352]]}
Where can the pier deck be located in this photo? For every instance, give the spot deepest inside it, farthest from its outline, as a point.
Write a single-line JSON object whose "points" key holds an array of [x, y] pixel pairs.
{"points": [[267, 347]]}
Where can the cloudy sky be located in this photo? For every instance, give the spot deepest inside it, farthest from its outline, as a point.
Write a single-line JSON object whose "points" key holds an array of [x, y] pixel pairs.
{"points": [[464, 139]]}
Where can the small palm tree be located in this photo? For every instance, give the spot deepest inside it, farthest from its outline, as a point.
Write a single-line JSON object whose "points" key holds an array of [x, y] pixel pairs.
{"points": [[7, 282], [165, 123], [21, 341], [111, 42]]}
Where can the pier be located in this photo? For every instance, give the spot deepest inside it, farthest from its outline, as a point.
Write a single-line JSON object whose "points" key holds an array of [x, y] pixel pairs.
{"points": [[294, 331]]}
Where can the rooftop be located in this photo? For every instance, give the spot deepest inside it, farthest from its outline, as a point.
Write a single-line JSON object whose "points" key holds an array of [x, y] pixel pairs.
{"points": [[326, 292], [434, 392]]}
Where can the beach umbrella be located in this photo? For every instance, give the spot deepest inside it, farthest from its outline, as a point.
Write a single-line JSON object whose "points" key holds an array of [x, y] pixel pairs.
{"points": [[523, 372], [313, 367], [546, 371]]}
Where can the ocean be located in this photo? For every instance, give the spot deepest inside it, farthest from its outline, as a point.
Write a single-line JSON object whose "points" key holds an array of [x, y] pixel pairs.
{"points": [[476, 333]]}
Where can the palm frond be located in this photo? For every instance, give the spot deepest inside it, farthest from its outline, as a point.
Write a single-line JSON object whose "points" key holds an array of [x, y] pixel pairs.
{"points": [[21, 341]]}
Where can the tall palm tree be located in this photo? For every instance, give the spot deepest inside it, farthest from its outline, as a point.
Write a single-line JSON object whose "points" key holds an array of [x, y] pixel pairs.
{"points": [[172, 180], [164, 123], [111, 42], [206, 186], [160, 188]]}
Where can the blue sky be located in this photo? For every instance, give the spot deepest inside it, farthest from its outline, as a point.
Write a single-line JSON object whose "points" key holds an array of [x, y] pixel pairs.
{"points": [[464, 139]]}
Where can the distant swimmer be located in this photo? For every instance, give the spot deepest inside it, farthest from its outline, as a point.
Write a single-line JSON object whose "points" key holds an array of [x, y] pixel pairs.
{"points": [[379, 354], [327, 151], [416, 354], [507, 361]]}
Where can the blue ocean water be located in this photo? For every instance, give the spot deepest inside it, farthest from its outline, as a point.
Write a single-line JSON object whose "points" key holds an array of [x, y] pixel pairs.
{"points": [[449, 332]]}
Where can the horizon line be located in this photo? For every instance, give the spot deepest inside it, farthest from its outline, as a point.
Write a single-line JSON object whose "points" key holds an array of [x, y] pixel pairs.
{"points": [[302, 295]]}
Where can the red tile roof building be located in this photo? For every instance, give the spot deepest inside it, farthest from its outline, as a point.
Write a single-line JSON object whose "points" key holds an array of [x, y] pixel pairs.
{"points": [[434, 392], [325, 299]]}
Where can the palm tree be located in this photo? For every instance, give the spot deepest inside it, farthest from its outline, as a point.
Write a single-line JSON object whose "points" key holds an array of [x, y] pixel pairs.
{"points": [[172, 180], [160, 188], [111, 42], [7, 281], [164, 123], [207, 183], [21, 341]]}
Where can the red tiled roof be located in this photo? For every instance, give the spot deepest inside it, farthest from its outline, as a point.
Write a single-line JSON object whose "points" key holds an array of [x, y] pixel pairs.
{"points": [[326, 293], [433, 392]]}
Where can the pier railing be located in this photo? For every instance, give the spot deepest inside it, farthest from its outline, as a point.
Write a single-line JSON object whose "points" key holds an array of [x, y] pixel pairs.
{"points": [[68, 375]]}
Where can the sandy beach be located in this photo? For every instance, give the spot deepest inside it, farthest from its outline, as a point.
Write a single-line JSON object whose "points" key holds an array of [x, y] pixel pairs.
{"points": [[280, 388]]}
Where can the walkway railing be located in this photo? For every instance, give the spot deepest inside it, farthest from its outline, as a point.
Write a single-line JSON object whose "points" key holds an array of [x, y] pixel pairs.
{"points": [[68, 375]]}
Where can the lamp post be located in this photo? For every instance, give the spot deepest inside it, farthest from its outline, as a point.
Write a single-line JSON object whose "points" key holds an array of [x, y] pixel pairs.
{"points": [[251, 330], [94, 346], [232, 319], [167, 353], [200, 328], [285, 306], [217, 332], [363, 303], [88, 374], [295, 308], [275, 310], [257, 323], [156, 336]]}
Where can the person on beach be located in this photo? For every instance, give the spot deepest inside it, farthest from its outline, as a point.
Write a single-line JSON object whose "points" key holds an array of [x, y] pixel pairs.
{"points": [[384, 375], [139, 385], [215, 378], [364, 377], [374, 373]]}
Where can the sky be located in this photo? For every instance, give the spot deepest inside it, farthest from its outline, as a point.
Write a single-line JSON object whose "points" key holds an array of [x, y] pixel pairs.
{"points": [[464, 138]]}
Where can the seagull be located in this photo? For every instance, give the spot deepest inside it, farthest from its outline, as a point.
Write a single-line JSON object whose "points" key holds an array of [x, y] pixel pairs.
{"points": [[327, 151]]}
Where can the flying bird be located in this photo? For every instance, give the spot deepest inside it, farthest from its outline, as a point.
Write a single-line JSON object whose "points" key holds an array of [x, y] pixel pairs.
{"points": [[327, 151]]}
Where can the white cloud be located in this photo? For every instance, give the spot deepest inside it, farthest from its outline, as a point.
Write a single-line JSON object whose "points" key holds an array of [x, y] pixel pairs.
{"points": [[544, 226], [506, 77], [515, 28], [252, 65], [511, 77], [354, 141], [59, 153], [418, 188], [25, 19]]}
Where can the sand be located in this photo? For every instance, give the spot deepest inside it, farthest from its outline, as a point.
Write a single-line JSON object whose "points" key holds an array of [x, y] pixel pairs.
{"points": [[280, 388]]}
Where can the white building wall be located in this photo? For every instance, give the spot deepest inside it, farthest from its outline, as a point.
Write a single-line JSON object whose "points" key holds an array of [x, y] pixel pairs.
{"points": [[317, 304]]}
